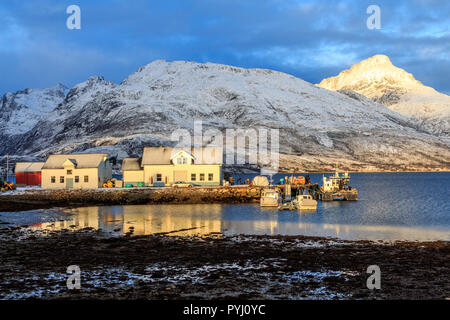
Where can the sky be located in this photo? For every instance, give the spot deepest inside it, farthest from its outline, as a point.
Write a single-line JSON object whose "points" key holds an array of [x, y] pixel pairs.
{"points": [[311, 40]]}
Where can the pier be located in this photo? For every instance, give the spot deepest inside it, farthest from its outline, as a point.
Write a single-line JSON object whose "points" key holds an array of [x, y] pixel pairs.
{"points": [[47, 198]]}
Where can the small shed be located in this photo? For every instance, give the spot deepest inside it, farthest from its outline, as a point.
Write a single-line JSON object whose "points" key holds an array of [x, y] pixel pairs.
{"points": [[28, 173]]}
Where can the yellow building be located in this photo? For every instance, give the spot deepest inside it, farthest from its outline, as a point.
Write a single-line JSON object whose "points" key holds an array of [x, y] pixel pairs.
{"points": [[76, 171], [132, 171], [163, 166]]}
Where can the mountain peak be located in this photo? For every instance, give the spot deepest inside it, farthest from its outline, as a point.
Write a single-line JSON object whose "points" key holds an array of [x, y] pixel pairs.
{"points": [[373, 77], [377, 60], [378, 79]]}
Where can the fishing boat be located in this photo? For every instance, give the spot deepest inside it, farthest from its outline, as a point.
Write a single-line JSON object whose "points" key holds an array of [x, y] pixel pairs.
{"points": [[270, 198], [305, 202], [338, 187]]}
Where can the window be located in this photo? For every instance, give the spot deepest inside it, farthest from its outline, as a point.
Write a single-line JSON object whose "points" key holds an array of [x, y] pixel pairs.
{"points": [[193, 176], [69, 171], [53, 179], [182, 160], [210, 177], [202, 177], [86, 178], [158, 177], [61, 179], [77, 179]]}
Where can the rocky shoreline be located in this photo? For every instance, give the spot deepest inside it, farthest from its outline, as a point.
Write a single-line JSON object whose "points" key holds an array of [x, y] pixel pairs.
{"points": [[40, 198], [216, 267]]}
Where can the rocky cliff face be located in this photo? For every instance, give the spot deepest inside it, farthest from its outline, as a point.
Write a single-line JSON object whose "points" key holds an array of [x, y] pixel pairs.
{"points": [[378, 79], [318, 128]]}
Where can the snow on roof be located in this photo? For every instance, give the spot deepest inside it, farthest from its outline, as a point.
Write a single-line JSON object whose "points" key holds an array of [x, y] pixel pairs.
{"points": [[84, 160], [28, 166], [130, 164], [163, 155]]}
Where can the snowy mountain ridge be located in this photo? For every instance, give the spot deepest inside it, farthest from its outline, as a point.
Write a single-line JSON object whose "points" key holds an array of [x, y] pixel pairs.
{"points": [[378, 79], [20, 111], [317, 127]]}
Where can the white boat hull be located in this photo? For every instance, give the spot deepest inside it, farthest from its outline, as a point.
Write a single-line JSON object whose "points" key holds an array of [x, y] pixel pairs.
{"points": [[305, 203]]}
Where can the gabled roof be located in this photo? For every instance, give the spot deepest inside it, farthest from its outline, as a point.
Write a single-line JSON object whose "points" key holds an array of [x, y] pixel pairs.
{"points": [[163, 155], [29, 166], [71, 162], [176, 152], [156, 155], [82, 160], [130, 164]]}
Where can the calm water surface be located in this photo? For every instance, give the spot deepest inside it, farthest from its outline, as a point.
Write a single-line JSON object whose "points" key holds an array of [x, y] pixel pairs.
{"points": [[391, 206]]}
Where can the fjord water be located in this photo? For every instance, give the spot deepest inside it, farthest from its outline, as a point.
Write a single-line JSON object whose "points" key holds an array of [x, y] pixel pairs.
{"points": [[391, 206]]}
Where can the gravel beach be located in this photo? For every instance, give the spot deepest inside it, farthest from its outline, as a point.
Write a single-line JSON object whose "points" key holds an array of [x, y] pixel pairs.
{"points": [[34, 264]]}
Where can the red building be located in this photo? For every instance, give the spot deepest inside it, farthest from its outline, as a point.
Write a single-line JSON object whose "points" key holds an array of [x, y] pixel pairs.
{"points": [[28, 173]]}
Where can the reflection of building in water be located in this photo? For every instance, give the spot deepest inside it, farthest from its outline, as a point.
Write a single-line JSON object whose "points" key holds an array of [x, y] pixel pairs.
{"points": [[205, 219], [145, 219], [191, 219], [86, 217]]}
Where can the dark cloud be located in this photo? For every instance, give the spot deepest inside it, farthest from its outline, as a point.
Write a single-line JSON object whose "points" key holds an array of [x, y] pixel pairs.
{"points": [[309, 39]]}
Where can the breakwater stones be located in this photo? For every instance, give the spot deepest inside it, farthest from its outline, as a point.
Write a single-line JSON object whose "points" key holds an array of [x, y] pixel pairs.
{"points": [[71, 197], [206, 195]]}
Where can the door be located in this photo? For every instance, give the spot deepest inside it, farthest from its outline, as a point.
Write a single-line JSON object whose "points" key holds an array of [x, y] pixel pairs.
{"points": [[69, 183], [180, 175]]}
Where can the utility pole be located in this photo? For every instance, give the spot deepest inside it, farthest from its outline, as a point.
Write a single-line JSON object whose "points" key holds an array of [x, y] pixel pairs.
{"points": [[7, 167]]}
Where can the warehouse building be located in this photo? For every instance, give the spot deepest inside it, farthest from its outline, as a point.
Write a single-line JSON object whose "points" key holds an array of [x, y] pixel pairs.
{"points": [[83, 171], [28, 173], [163, 166]]}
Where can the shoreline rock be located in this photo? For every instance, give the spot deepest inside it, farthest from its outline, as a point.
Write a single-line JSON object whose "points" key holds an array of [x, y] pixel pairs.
{"points": [[33, 199]]}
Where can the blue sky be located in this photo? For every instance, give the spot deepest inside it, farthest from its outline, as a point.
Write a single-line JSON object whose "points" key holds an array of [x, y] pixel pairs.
{"points": [[309, 39]]}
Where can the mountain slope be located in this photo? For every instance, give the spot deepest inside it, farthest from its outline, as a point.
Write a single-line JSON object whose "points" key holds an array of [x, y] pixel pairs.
{"points": [[317, 127], [20, 111], [378, 79]]}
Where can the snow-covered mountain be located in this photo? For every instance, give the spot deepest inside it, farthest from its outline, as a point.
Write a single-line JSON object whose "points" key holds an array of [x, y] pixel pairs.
{"points": [[318, 127], [378, 79], [21, 110]]}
